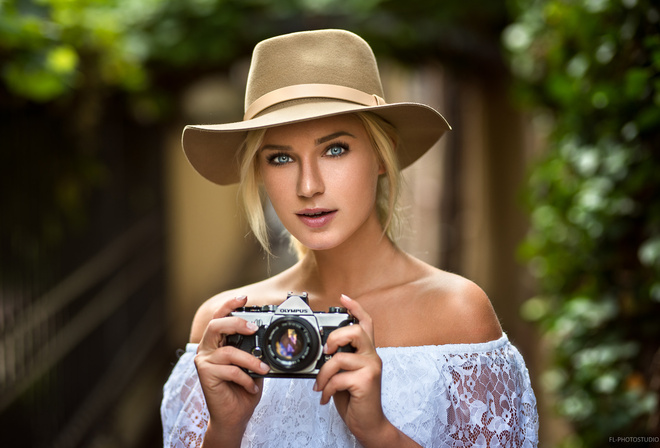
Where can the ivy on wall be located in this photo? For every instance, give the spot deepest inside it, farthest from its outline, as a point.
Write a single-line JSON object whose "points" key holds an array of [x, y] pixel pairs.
{"points": [[592, 70]]}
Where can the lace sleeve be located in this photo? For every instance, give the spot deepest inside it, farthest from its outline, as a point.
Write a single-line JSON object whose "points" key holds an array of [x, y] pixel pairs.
{"points": [[476, 395], [183, 409], [491, 402]]}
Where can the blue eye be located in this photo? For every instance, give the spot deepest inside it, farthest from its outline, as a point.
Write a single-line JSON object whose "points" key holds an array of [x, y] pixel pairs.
{"points": [[279, 159], [336, 150]]}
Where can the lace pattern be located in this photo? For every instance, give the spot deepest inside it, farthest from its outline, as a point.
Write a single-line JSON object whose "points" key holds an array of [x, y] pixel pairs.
{"points": [[461, 395]]}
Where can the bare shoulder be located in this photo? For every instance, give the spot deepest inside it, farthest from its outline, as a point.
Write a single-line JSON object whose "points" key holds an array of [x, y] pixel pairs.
{"points": [[433, 307], [463, 307]]}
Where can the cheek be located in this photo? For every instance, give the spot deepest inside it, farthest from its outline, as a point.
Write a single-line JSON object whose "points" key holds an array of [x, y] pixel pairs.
{"points": [[276, 182], [359, 184], [279, 199]]}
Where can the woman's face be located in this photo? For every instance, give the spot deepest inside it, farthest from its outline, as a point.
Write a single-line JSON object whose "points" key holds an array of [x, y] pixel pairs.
{"points": [[321, 177]]}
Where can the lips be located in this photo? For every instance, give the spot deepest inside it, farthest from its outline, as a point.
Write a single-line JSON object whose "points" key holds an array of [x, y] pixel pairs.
{"points": [[316, 217]]}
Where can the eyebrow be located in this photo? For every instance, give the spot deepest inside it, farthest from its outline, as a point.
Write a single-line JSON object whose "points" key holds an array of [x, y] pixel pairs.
{"points": [[327, 138], [317, 142], [275, 148]]}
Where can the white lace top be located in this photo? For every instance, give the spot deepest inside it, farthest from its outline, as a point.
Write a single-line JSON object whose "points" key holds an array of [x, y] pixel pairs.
{"points": [[461, 395]]}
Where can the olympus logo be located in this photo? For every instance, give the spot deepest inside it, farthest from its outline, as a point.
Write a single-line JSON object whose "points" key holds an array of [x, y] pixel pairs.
{"points": [[292, 310]]}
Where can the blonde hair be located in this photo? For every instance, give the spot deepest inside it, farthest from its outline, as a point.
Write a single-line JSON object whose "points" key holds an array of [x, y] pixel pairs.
{"points": [[384, 140]]}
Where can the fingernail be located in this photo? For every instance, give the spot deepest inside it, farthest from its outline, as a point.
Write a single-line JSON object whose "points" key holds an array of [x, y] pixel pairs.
{"points": [[346, 297], [316, 387], [240, 298], [325, 349], [255, 389], [252, 326], [265, 367]]}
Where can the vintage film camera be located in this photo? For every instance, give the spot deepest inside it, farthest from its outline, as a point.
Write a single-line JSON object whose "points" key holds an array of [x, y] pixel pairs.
{"points": [[291, 336]]}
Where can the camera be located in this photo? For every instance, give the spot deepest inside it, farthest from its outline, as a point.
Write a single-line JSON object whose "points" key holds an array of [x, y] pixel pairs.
{"points": [[291, 336]]}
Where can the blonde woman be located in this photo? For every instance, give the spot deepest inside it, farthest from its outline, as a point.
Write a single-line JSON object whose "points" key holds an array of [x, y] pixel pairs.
{"points": [[428, 363]]}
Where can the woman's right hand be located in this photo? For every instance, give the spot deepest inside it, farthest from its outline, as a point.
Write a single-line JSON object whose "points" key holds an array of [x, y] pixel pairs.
{"points": [[231, 394]]}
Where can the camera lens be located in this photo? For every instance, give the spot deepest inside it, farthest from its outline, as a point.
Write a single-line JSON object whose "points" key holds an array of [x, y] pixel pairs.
{"points": [[292, 344]]}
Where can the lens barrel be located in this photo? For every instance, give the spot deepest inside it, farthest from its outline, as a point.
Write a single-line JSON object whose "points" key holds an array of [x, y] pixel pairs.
{"points": [[292, 344]]}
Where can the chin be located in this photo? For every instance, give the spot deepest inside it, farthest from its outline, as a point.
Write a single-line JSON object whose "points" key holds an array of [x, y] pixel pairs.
{"points": [[318, 246], [318, 243]]}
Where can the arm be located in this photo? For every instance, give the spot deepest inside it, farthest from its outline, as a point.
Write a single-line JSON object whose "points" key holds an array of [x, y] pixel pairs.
{"points": [[231, 394], [183, 411], [353, 380], [492, 399]]}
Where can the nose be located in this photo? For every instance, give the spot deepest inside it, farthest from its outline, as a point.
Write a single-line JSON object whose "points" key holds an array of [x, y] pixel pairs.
{"points": [[310, 179]]}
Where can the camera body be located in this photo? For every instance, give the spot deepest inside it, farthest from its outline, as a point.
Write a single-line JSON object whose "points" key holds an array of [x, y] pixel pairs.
{"points": [[291, 336]]}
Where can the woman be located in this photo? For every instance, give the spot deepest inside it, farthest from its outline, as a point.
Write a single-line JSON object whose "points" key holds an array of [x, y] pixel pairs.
{"points": [[431, 366]]}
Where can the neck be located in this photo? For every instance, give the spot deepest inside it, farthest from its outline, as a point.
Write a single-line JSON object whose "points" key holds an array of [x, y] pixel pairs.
{"points": [[364, 263]]}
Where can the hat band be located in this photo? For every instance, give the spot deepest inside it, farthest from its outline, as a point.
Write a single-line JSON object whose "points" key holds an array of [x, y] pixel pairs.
{"points": [[299, 91]]}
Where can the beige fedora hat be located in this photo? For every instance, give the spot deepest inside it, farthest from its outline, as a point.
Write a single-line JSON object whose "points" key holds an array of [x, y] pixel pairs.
{"points": [[303, 76]]}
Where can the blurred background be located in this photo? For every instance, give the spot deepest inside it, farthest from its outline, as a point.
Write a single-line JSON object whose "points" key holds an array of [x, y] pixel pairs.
{"points": [[546, 193]]}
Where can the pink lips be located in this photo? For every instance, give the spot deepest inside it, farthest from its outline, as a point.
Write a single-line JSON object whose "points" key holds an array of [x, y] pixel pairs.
{"points": [[316, 217]]}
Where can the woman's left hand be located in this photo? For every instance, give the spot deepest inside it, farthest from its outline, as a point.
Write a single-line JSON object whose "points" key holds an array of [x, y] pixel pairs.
{"points": [[354, 379]]}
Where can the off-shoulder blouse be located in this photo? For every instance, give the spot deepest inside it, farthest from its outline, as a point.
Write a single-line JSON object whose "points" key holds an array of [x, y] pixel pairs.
{"points": [[456, 395]]}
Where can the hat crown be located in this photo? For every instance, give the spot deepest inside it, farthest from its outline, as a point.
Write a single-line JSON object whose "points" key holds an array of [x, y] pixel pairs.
{"points": [[334, 57], [306, 76]]}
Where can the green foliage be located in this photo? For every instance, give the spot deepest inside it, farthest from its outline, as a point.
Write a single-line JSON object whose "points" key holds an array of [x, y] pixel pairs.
{"points": [[50, 47], [592, 67]]}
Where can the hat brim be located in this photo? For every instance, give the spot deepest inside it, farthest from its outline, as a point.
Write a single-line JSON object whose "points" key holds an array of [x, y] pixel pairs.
{"points": [[211, 149]]}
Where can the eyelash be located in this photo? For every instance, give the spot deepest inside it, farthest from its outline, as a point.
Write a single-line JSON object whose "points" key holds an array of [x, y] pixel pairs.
{"points": [[341, 145], [271, 159]]}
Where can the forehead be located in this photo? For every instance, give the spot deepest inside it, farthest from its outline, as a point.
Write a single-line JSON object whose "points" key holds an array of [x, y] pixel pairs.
{"points": [[314, 129]]}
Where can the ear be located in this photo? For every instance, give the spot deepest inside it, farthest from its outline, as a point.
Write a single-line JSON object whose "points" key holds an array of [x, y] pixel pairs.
{"points": [[382, 169]]}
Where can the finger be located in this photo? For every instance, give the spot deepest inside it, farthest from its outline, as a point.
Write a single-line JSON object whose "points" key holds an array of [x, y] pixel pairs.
{"points": [[343, 381], [359, 382], [226, 373], [339, 362], [230, 305], [218, 328], [237, 357], [359, 313], [226, 364], [353, 335]]}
